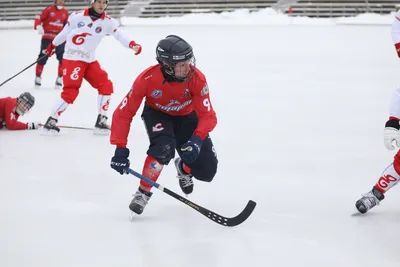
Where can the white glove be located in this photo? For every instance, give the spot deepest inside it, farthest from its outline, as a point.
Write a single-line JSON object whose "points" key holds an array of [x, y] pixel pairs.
{"points": [[391, 133], [40, 29], [33, 125]]}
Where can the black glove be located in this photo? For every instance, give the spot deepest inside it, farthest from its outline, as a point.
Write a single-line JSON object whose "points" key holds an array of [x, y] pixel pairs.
{"points": [[191, 149], [120, 161]]}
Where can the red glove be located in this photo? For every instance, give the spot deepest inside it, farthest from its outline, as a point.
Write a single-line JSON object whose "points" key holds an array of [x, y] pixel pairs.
{"points": [[397, 46], [50, 49], [135, 47]]}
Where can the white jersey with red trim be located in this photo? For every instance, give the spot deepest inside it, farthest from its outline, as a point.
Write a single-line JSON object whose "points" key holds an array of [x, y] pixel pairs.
{"points": [[83, 35]]}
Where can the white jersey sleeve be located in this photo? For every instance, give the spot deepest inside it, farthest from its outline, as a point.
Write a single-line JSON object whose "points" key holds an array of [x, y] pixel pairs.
{"points": [[395, 104], [119, 33], [62, 36], [396, 32]]}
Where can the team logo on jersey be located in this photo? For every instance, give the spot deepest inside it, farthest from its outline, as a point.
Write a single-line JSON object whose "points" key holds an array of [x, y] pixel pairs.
{"points": [[98, 29], [156, 93], [90, 25], [205, 90], [81, 24], [186, 93], [52, 14]]}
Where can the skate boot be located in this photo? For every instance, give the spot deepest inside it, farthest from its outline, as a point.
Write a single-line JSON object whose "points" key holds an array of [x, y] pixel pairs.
{"points": [[58, 83], [369, 200], [139, 201], [38, 82], [101, 127], [50, 126], [185, 179]]}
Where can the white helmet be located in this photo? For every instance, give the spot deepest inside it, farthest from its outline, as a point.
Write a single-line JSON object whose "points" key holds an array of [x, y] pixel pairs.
{"points": [[92, 1]]}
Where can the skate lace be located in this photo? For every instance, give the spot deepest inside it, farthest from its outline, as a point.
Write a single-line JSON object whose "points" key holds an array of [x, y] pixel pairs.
{"points": [[186, 180], [140, 199], [370, 200]]}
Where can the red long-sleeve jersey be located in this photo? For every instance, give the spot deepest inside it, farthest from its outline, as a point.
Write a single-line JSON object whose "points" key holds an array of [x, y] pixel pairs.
{"points": [[52, 20], [173, 98], [8, 116]]}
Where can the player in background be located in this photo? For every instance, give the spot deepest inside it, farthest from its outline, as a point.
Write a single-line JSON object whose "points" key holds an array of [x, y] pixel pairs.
{"points": [[13, 107], [177, 115], [391, 174], [48, 24], [83, 33]]}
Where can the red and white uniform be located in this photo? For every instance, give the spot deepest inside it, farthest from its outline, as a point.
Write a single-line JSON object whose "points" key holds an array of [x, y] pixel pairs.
{"points": [[173, 98], [52, 20], [8, 116], [83, 35]]}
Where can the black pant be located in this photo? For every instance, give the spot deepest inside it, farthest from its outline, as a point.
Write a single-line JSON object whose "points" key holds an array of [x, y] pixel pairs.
{"points": [[43, 46], [168, 133]]}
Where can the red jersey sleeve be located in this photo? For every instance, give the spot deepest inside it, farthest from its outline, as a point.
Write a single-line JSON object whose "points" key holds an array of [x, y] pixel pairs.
{"points": [[11, 118], [39, 18], [204, 109], [124, 113]]}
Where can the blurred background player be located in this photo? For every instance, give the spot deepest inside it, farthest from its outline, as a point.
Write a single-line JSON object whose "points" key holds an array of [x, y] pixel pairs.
{"points": [[391, 174], [48, 24], [83, 33], [177, 114], [11, 108]]}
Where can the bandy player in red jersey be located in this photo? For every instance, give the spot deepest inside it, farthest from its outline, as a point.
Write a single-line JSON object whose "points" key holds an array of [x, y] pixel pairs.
{"points": [[83, 33], [11, 108], [48, 24], [391, 174], [177, 114]]}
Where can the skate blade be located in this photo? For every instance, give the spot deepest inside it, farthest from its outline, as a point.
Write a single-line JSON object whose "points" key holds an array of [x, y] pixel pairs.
{"points": [[98, 131], [133, 216], [46, 132]]}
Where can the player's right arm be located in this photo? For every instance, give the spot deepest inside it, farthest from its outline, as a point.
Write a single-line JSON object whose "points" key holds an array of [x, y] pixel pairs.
{"points": [[40, 18], [62, 36], [126, 110], [396, 33]]}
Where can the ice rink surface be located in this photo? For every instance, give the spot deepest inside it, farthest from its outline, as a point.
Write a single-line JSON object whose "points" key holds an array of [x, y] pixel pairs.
{"points": [[301, 112]]}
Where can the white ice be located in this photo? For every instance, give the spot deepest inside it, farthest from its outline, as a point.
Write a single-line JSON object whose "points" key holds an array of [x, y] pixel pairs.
{"points": [[301, 112]]}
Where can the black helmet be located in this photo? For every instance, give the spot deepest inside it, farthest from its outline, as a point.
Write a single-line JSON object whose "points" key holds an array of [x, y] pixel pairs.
{"points": [[24, 103], [171, 50]]}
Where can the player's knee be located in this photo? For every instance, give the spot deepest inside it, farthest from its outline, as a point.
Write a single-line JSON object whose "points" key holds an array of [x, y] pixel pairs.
{"points": [[106, 88], [206, 173], [396, 162], [69, 95], [42, 60], [162, 149]]}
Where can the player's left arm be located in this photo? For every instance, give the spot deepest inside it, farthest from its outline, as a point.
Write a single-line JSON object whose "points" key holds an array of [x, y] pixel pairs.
{"points": [[207, 118], [119, 34]]}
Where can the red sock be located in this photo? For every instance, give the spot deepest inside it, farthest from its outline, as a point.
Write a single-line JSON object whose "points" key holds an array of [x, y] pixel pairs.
{"points": [[152, 170], [39, 70], [60, 70], [186, 168]]}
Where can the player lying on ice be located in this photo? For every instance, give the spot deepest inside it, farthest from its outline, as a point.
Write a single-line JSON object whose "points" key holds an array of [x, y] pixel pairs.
{"points": [[177, 115], [11, 108]]}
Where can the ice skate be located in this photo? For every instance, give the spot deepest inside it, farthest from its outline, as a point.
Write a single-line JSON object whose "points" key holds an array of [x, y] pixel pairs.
{"points": [[369, 200], [101, 127], [139, 201], [58, 84], [185, 180], [38, 82], [50, 128]]}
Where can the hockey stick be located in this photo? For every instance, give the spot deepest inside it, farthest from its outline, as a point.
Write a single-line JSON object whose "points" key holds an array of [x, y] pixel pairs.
{"points": [[22, 70], [208, 213], [70, 127]]}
